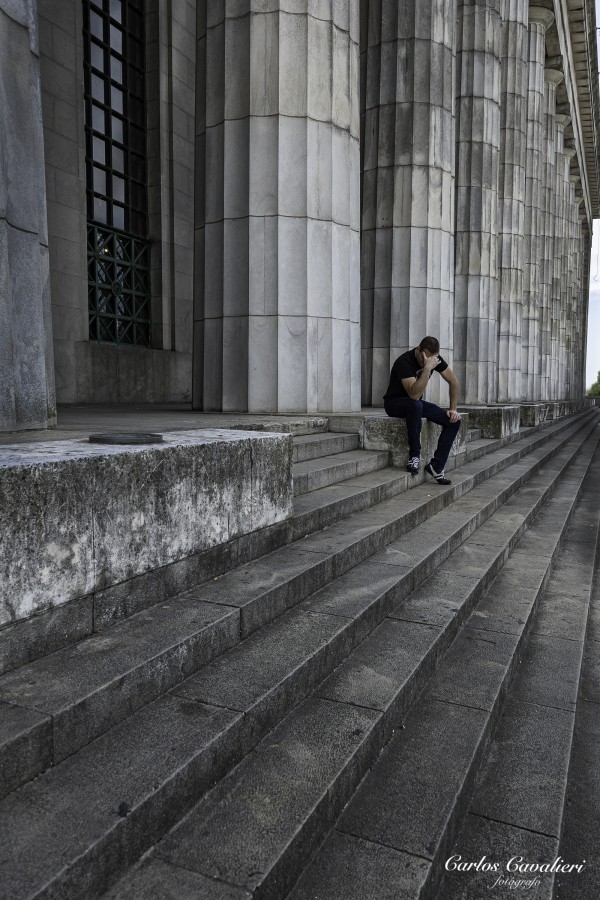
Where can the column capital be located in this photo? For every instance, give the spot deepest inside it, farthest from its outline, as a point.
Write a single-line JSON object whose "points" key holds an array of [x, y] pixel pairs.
{"points": [[562, 120], [539, 15], [553, 76]]}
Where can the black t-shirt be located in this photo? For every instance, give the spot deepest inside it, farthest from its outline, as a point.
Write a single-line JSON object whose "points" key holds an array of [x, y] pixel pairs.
{"points": [[406, 366]]}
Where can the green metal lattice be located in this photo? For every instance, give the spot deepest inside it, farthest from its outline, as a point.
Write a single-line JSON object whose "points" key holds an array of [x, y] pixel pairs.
{"points": [[118, 287]]}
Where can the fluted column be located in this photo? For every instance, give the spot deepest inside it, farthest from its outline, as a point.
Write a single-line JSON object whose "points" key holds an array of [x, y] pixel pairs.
{"points": [[27, 395], [277, 237], [585, 249], [539, 20], [558, 275], [575, 285], [565, 187], [552, 78], [513, 136], [478, 144], [408, 185]]}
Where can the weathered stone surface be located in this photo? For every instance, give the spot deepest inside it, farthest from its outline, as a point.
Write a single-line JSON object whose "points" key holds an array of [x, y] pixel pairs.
{"points": [[406, 798], [475, 669], [24, 641], [394, 661], [136, 781], [442, 596], [100, 681], [312, 446], [313, 474], [533, 414], [348, 868], [257, 669], [83, 518], [254, 831], [496, 421], [582, 811], [269, 586], [550, 672], [27, 397], [524, 778], [25, 745], [157, 878]]}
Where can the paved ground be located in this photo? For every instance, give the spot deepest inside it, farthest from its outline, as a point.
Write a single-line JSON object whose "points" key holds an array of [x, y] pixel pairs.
{"points": [[157, 417]]}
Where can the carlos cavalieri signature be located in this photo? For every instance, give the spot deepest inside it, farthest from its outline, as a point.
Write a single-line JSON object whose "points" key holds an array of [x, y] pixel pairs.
{"points": [[521, 872]]}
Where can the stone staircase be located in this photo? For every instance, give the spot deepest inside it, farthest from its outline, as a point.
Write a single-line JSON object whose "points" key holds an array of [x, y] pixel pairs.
{"points": [[324, 721]]}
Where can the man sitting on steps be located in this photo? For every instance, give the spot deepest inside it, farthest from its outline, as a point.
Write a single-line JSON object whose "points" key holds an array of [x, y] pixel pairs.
{"points": [[408, 380]]}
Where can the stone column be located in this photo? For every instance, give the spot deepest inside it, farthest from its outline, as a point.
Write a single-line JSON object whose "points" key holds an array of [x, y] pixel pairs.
{"points": [[539, 20], [478, 144], [574, 266], [557, 285], [408, 186], [552, 78], [277, 220], [585, 251], [513, 136], [564, 187], [27, 397]]}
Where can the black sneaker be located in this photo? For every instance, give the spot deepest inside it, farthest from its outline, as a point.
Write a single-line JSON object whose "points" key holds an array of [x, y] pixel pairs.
{"points": [[413, 465], [440, 477]]}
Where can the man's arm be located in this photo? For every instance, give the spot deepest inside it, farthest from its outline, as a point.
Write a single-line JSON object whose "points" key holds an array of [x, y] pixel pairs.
{"points": [[449, 376], [415, 387]]}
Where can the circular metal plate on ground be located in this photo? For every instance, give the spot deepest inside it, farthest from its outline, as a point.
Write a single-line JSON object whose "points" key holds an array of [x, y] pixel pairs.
{"points": [[130, 437]]}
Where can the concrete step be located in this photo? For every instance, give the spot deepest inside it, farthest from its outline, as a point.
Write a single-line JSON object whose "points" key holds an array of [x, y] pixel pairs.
{"points": [[312, 446], [323, 507], [258, 827], [581, 813], [318, 473], [61, 702], [520, 802], [35, 638], [400, 825], [474, 434], [142, 775]]}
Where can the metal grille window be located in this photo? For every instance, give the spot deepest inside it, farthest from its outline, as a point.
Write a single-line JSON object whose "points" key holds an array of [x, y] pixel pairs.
{"points": [[118, 287], [116, 171]]}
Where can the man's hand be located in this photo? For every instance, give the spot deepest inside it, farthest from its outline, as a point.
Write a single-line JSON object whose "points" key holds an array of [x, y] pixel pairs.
{"points": [[453, 415], [431, 362]]}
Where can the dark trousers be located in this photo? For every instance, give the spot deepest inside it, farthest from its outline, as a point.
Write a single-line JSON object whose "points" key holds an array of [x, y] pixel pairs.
{"points": [[414, 411]]}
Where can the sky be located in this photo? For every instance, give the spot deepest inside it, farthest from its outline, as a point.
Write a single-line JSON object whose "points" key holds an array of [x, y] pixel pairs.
{"points": [[592, 366], [593, 340]]}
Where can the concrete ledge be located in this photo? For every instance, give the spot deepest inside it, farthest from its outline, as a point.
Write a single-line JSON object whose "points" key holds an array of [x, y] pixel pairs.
{"points": [[496, 421], [390, 434], [82, 518], [380, 432], [533, 414]]}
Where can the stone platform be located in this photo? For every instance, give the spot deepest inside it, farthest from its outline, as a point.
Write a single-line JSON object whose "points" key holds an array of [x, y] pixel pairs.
{"points": [[81, 519]]}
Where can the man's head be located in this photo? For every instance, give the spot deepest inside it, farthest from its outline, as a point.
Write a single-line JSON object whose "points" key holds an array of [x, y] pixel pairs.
{"points": [[430, 345]]}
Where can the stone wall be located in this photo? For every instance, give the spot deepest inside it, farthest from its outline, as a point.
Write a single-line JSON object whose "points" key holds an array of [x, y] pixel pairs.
{"points": [[26, 360], [280, 281], [87, 371], [78, 519]]}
